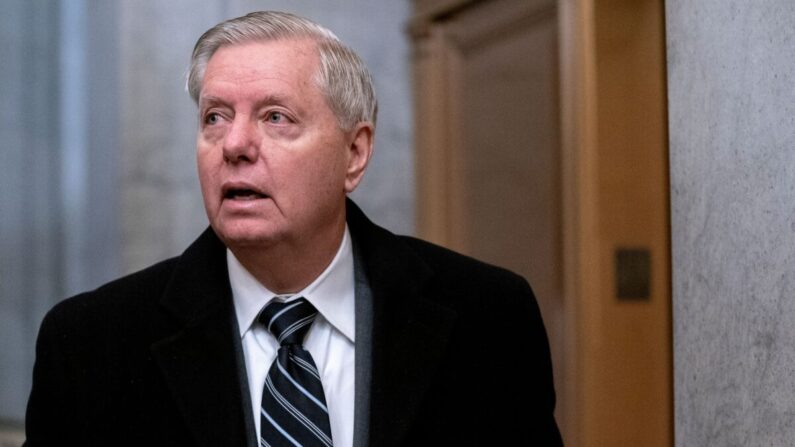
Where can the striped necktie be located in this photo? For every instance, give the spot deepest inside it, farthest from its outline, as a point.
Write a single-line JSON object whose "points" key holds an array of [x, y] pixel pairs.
{"points": [[294, 411]]}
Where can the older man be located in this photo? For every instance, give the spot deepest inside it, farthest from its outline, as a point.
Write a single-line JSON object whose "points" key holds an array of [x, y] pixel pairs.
{"points": [[293, 320]]}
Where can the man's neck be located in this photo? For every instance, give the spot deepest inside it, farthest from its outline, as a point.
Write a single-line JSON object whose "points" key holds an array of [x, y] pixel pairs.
{"points": [[289, 268]]}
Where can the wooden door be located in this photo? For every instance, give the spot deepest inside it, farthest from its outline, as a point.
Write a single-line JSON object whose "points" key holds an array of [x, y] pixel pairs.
{"points": [[541, 147], [489, 151]]}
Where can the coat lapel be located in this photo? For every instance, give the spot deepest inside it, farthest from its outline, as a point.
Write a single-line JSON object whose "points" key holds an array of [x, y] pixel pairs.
{"points": [[409, 330], [200, 362]]}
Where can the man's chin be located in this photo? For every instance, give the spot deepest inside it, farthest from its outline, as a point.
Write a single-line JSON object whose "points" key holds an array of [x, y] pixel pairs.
{"points": [[245, 237]]}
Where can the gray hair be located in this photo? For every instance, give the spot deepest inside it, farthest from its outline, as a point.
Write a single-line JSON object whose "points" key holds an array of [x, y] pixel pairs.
{"points": [[343, 78]]}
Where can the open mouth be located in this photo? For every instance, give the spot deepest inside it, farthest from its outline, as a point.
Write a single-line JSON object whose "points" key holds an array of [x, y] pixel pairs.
{"points": [[243, 194]]}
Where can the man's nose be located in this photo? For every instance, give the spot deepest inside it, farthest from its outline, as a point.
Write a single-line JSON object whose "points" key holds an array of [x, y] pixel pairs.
{"points": [[241, 143]]}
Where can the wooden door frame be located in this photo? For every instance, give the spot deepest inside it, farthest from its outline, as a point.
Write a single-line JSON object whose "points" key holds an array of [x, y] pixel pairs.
{"points": [[586, 277]]}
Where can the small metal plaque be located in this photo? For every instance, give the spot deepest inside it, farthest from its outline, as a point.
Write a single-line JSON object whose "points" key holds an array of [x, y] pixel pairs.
{"points": [[633, 274]]}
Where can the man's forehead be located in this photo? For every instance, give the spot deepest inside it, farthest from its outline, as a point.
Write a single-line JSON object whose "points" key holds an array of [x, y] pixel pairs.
{"points": [[294, 47], [284, 62], [257, 59]]}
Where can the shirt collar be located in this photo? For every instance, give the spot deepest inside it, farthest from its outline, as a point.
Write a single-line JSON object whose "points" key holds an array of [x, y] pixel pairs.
{"points": [[332, 292]]}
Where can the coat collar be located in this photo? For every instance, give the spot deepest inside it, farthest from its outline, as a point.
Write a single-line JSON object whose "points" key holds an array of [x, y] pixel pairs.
{"points": [[409, 331]]}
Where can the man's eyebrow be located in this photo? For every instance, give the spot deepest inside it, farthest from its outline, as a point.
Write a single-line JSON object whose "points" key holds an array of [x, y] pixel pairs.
{"points": [[209, 100], [265, 100], [271, 99]]}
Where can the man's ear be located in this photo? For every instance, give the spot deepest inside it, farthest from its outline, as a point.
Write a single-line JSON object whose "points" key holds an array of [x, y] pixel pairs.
{"points": [[359, 152]]}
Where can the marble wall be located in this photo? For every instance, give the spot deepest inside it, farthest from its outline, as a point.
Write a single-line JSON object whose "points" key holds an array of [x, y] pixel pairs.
{"points": [[731, 82]]}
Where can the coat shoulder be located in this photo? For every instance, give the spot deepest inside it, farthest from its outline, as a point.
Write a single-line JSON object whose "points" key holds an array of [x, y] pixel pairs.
{"points": [[482, 295], [468, 272], [128, 294]]}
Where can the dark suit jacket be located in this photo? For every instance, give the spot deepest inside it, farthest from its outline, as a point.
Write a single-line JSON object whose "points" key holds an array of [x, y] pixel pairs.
{"points": [[450, 351]]}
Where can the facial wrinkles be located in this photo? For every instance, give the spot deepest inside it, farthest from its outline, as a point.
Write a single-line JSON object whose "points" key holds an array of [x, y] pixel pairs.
{"points": [[299, 166], [294, 113], [230, 84], [243, 72]]}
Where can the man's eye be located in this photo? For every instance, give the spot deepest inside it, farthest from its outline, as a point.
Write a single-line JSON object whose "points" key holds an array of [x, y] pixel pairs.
{"points": [[211, 118], [275, 117]]}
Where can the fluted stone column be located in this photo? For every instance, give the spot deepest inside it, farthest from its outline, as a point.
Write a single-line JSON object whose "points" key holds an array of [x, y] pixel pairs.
{"points": [[58, 170]]}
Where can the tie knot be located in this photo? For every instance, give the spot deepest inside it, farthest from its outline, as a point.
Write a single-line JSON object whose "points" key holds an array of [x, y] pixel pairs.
{"points": [[288, 322]]}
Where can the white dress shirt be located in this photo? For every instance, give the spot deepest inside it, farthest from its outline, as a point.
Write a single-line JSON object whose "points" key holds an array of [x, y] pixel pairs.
{"points": [[330, 340]]}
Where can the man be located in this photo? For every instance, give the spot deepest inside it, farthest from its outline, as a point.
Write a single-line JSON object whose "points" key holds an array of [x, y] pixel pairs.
{"points": [[397, 342]]}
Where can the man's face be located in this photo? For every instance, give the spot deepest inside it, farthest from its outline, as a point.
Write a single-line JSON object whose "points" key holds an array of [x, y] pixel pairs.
{"points": [[274, 166]]}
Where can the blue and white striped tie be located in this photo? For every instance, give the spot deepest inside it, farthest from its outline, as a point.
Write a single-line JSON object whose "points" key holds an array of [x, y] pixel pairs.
{"points": [[294, 411]]}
